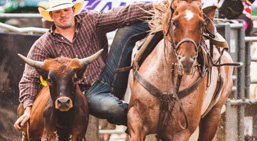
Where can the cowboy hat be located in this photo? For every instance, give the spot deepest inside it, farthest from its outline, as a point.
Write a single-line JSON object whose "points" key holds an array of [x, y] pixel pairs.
{"points": [[60, 4]]}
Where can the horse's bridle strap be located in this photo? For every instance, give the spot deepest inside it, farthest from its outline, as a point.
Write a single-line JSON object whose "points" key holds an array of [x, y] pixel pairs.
{"points": [[217, 43], [186, 40], [157, 93]]}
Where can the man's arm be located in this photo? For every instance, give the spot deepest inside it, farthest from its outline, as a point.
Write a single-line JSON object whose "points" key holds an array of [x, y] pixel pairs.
{"points": [[30, 83], [28, 91], [123, 16], [22, 119], [28, 86]]}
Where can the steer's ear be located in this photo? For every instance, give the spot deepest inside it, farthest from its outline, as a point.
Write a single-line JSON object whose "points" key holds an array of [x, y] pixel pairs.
{"points": [[43, 73], [81, 71]]}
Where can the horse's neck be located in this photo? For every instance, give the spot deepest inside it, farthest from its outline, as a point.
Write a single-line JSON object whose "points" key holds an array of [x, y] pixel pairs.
{"points": [[161, 58]]}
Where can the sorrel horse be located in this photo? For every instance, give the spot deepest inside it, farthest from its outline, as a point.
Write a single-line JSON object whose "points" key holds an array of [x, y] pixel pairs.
{"points": [[179, 86]]}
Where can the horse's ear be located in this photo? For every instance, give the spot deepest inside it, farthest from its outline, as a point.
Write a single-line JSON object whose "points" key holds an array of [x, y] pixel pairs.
{"points": [[210, 11]]}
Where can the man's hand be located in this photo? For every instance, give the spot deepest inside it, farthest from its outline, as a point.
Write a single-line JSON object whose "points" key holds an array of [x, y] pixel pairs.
{"points": [[22, 119], [161, 5]]}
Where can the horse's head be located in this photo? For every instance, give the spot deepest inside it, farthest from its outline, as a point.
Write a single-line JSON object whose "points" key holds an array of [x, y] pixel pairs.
{"points": [[185, 31]]}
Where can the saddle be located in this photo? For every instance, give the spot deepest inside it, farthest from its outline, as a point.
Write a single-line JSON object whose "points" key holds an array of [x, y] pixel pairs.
{"points": [[144, 47]]}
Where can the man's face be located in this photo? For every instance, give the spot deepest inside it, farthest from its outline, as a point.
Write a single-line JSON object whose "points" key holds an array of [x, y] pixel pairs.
{"points": [[63, 18]]}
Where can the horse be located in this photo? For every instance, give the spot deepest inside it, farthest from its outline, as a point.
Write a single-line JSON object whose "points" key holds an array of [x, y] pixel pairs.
{"points": [[184, 82]]}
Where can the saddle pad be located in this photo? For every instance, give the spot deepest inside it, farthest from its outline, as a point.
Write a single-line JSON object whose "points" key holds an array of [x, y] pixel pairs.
{"points": [[143, 48]]}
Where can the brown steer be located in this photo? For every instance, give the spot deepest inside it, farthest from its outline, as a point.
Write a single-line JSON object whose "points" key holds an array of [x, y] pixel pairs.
{"points": [[60, 111]]}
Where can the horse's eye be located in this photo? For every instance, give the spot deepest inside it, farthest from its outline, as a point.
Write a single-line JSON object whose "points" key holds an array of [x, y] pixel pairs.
{"points": [[201, 24], [175, 25]]}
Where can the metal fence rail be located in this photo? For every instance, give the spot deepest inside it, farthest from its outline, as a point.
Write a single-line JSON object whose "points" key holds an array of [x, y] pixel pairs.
{"points": [[20, 15], [30, 30], [235, 102]]}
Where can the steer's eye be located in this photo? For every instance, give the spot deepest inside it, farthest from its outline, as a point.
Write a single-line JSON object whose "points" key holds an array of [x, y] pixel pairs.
{"points": [[75, 79], [49, 81], [179, 57]]}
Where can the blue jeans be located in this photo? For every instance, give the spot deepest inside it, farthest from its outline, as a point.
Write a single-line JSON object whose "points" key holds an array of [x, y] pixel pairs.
{"points": [[105, 94]]}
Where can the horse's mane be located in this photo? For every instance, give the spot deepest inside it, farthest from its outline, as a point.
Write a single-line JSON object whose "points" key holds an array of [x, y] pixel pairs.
{"points": [[159, 19]]}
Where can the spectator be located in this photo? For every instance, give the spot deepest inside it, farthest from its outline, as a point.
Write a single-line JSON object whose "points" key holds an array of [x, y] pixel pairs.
{"points": [[237, 9]]}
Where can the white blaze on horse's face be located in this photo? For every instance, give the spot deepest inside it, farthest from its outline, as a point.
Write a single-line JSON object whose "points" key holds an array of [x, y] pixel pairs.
{"points": [[189, 15]]}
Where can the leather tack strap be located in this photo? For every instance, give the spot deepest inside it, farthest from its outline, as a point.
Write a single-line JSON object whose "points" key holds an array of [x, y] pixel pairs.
{"points": [[218, 43], [123, 69], [157, 93]]}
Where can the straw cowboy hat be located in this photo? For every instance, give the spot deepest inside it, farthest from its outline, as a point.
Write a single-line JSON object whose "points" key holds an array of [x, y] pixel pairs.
{"points": [[60, 4]]}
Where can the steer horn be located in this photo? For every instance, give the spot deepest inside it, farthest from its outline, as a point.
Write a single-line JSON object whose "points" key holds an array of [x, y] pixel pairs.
{"points": [[90, 59], [36, 64]]}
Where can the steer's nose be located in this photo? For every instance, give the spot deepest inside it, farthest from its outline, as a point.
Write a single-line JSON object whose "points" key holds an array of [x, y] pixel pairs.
{"points": [[63, 104]]}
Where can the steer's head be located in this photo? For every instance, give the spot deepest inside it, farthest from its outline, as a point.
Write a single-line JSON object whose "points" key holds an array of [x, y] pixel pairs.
{"points": [[62, 74]]}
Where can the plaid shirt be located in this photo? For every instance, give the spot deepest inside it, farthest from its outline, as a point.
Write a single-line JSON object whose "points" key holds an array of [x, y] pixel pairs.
{"points": [[89, 37]]}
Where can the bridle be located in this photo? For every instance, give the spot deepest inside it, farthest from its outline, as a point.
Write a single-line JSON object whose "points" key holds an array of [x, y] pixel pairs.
{"points": [[175, 46]]}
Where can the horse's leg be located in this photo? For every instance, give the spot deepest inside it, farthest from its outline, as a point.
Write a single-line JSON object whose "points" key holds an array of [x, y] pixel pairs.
{"points": [[209, 124], [135, 125], [183, 135]]}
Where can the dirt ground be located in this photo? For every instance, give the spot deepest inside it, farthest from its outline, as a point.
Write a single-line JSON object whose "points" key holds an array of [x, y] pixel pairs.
{"points": [[11, 69], [8, 106]]}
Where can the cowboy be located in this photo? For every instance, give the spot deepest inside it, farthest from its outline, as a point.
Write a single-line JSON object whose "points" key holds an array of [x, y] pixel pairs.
{"points": [[77, 35]]}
